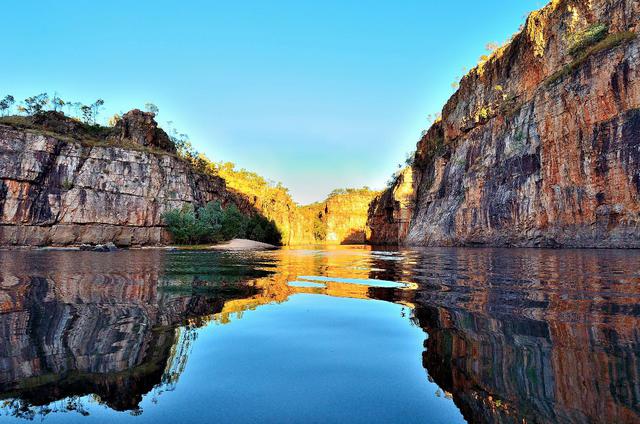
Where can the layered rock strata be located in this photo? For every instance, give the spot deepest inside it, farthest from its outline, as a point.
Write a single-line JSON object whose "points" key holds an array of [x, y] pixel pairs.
{"points": [[540, 146]]}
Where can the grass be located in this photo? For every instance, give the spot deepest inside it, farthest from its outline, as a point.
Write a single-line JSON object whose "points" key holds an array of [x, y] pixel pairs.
{"points": [[587, 38], [609, 42]]}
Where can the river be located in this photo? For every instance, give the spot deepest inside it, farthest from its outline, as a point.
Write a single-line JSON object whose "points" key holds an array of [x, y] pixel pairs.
{"points": [[343, 334]]}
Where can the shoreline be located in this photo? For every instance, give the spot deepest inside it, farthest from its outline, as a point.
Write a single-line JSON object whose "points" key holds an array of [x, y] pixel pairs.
{"points": [[234, 245]]}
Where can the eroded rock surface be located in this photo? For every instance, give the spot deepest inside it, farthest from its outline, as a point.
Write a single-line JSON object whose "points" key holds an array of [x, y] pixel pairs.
{"points": [[58, 191], [538, 147]]}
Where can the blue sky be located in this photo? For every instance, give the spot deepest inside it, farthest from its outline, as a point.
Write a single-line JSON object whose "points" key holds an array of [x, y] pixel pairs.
{"points": [[315, 94]]}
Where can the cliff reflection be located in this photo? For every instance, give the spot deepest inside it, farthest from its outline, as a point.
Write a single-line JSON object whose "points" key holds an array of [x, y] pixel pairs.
{"points": [[74, 324], [533, 336], [511, 335]]}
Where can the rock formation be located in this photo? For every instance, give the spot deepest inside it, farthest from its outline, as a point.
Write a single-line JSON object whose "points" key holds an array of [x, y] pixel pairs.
{"points": [[64, 187], [141, 128], [340, 219], [540, 146]]}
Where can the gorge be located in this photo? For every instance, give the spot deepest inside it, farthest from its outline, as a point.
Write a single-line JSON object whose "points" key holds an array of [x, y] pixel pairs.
{"points": [[539, 147]]}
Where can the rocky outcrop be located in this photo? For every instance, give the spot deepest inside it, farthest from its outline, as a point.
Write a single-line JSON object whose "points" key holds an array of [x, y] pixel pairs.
{"points": [[540, 146], [340, 219], [58, 190], [141, 128]]}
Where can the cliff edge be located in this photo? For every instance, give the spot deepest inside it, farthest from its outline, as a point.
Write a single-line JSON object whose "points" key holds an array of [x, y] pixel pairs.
{"points": [[540, 145], [61, 184]]}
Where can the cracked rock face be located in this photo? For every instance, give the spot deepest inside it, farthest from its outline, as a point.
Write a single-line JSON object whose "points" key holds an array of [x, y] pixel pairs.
{"points": [[59, 192], [538, 147]]}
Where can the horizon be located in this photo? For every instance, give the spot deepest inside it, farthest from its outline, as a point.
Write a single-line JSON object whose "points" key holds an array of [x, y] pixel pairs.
{"points": [[276, 110]]}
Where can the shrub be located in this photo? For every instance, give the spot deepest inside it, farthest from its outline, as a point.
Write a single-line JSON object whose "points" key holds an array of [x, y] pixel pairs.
{"points": [[184, 225], [212, 223]]}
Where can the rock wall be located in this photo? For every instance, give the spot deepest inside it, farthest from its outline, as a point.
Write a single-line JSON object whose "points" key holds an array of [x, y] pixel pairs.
{"points": [[540, 146], [345, 216], [55, 190]]}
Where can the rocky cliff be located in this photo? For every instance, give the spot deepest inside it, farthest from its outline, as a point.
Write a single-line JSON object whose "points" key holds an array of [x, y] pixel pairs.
{"points": [[61, 185], [540, 145], [340, 219]]}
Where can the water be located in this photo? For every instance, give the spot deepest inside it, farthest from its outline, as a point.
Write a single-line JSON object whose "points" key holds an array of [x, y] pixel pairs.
{"points": [[335, 335]]}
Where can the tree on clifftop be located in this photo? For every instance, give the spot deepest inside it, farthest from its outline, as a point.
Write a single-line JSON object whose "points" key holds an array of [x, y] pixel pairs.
{"points": [[35, 104], [6, 103], [150, 107]]}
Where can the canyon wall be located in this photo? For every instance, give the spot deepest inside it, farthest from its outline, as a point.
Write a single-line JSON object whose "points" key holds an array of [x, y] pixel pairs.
{"points": [[540, 145], [339, 219], [59, 190]]}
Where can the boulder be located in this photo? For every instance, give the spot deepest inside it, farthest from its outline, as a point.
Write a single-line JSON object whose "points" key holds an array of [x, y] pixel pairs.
{"points": [[141, 128]]}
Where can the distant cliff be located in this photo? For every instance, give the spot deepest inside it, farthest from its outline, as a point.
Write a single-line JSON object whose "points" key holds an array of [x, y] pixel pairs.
{"points": [[339, 219], [540, 145]]}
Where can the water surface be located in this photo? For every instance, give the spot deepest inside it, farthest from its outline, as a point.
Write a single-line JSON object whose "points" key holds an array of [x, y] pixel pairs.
{"points": [[334, 335]]}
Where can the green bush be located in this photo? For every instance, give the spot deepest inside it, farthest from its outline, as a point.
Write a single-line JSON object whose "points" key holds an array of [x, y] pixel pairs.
{"points": [[212, 224]]}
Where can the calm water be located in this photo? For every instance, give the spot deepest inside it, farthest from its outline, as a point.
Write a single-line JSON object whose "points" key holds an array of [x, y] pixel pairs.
{"points": [[337, 335]]}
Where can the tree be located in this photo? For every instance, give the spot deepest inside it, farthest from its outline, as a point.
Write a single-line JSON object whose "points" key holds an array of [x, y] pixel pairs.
{"points": [[86, 113], [150, 107], [233, 223], [492, 46], [6, 103], [57, 103], [115, 118], [35, 104], [95, 110], [73, 108]]}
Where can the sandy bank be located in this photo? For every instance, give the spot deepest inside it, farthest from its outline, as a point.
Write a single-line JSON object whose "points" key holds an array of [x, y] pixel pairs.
{"points": [[241, 244]]}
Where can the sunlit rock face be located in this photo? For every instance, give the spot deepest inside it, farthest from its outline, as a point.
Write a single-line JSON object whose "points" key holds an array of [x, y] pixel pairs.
{"points": [[58, 191], [390, 213], [540, 146], [345, 216]]}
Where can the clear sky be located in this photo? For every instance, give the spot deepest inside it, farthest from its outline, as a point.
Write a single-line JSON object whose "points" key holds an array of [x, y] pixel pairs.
{"points": [[315, 94]]}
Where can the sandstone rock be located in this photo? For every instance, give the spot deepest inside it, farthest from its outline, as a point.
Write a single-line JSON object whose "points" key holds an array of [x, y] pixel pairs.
{"points": [[141, 128], [534, 142], [59, 192]]}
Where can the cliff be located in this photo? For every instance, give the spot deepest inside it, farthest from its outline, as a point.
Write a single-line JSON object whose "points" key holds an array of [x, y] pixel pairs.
{"points": [[540, 145], [340, 219], [60, 184]]}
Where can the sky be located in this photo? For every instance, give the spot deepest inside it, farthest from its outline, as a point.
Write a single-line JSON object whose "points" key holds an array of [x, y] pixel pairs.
{"points": [[317, 95]]}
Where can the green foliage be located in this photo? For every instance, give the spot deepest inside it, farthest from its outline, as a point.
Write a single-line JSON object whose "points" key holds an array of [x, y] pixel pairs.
{"points": [[212, 224], [67, 184], [6, 103], [150, 107], [580, 41], [34, 104], [234, 223], [184, 225], [262, 229]]}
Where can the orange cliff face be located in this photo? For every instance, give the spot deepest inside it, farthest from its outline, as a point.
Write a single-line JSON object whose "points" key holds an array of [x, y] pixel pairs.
{"points": [[343, 216], [540, 146]]}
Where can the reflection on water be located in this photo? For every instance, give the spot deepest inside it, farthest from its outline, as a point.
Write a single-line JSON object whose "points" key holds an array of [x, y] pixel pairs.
{"points": [[432, 335]]}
